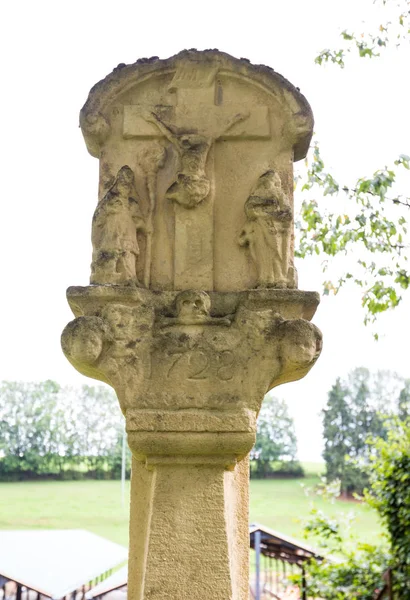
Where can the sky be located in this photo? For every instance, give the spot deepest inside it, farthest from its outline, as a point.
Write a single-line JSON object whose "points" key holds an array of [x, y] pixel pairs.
{"points": [[54, 52]]}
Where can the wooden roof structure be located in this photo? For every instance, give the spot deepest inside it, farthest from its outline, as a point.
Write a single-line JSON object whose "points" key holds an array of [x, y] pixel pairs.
{"points": [[274, 544]]}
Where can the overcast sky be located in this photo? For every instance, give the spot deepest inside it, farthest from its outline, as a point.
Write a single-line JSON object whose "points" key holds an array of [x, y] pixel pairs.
{"points": [[54, 51]]}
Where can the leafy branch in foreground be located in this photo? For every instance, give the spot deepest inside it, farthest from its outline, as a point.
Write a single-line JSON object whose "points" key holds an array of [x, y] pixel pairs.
{"points": [[370, 44], [356, 571], [389, 494], [367, 218]]}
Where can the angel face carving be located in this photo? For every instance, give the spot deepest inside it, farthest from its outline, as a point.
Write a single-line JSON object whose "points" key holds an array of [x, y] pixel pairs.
{"points": [[193, 306]]}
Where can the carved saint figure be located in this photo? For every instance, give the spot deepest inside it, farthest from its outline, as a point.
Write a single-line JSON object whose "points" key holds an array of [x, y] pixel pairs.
{"points": [[151, 160], [267, 232], [116, 221]]}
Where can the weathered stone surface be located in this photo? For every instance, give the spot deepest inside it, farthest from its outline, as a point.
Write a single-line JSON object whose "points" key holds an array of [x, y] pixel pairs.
{"points": [[193, 315], [172, 350], [210, 140]]}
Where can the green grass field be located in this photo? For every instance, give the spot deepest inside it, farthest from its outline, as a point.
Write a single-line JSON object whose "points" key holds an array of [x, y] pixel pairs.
{"points": [[283, 506], [96, 506]]}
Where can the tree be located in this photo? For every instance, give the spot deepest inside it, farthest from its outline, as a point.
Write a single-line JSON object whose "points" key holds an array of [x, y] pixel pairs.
{"points": [[46, 429], [97, 424], [356, 410], [403, 405], [337, 427], [389, 494], [369, 216], [371, 43], [358, 572], [275, 439], [30, 427]]}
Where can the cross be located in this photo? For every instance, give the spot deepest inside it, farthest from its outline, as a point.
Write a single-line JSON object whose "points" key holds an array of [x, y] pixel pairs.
{"points": [[199, 114]]}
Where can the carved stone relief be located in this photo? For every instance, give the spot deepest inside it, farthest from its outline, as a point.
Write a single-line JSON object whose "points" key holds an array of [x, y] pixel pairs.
{"points": [[116, 223], [192, 185], [195, 131], [193, 308], [151, 159], [267, 232], [162, 359]]}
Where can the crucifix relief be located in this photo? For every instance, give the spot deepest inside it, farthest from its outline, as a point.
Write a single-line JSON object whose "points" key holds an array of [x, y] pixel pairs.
{"points": [[193, 139]]}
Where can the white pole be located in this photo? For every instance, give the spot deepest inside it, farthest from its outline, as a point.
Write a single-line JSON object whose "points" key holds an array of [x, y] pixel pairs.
{"points": [[123, 469], [258, 564]]}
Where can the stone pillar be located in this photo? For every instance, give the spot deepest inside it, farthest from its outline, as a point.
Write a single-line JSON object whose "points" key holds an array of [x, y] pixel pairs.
{"points": [[193, 313]]}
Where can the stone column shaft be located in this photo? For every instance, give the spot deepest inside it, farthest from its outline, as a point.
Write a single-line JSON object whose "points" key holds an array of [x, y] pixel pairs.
{"points": [[186, 540]]}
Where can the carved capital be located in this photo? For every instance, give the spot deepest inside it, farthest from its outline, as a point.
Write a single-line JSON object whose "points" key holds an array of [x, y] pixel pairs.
{"points": [[191, 350]]}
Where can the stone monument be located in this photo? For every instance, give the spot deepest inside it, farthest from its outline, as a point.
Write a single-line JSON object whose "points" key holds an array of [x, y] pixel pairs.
{"points": [[193, 313]]}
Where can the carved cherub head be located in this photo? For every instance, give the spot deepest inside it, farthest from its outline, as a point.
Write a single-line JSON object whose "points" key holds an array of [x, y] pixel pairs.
{"points": [[121, 320], [193, 307], [83, 339], [301, 342]]}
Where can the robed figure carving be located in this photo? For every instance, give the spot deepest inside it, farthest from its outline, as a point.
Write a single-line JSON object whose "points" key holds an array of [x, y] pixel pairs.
{"points": [[267, 232], [116, 223]]}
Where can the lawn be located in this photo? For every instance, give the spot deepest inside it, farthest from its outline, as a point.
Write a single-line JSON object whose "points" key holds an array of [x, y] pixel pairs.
{"points": [[92, 505], [283, 506], [97, 506]]}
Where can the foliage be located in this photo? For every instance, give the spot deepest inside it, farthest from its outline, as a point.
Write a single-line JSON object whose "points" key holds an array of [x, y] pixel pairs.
{"points": [[358, 573], [389, 494], [403, 405], [359, 408], [283, 470], [368, 217], [275, 441], [348, 420], [356, 577], [30, 427], [49, 430], [370, 44], [351, 570]]}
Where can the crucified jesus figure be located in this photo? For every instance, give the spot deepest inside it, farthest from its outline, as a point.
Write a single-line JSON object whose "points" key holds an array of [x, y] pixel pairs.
{"points": [[192, 185]]}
